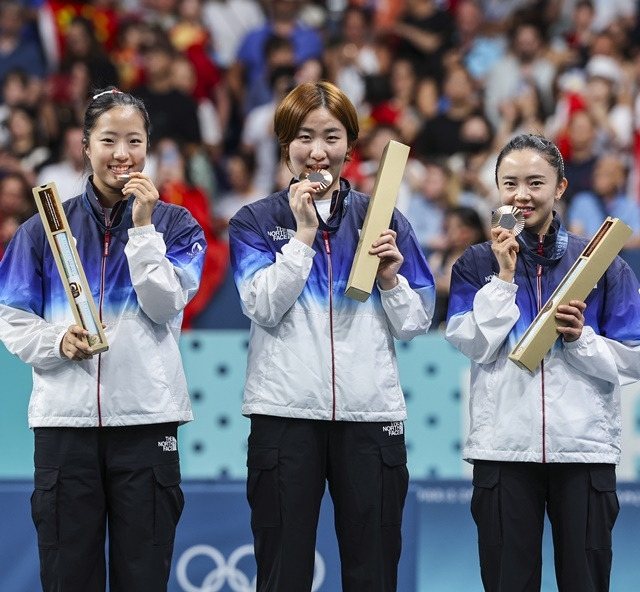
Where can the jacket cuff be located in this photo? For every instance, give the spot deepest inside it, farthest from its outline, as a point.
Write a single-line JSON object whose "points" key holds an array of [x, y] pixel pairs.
{"points": [[402, 283], [582, 341], [499, 284], [297, 246], [56, 346], [142, 230]]}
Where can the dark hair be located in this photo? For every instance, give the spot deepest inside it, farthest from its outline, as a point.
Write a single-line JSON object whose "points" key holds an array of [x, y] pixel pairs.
{"points": [[106, 99], [583, 4], [275, 43], [305, 98], [95, 52], [470, 218], [546, 148], [366, 13], [286, 72], [19, 73]]}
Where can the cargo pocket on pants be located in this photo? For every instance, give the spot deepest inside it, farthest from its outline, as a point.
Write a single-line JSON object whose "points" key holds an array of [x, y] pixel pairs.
{"points": [[603, 507], [44, 508], [485, 503], [395, 483], [263, 491], [169, 502]]}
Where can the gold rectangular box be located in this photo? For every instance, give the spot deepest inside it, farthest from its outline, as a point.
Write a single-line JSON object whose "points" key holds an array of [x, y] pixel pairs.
{"points": [[576, 285], [63, 246], [383, 200]]}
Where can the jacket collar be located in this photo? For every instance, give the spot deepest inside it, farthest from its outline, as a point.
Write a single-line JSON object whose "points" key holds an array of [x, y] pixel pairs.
{"points": [[118, 213], [339, 205], [554, 243]]}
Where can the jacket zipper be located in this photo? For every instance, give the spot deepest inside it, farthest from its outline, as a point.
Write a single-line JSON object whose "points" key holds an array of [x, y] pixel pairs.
{"points": [[539, 297], [105, 252], [327, 248]]}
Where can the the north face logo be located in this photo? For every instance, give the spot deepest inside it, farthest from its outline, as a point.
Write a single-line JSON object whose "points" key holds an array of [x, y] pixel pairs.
{"points": [[169, 444], [281, 233], [394, 429]]}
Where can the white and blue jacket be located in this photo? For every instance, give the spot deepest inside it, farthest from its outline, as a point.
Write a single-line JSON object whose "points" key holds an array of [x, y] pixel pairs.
{"points": [[141, 279], [313, 352], [568, 409]]}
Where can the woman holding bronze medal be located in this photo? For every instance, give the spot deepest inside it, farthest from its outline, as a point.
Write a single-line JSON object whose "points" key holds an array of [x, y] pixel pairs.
{"points": [[546, 440], [322, 387], [105, 425]]}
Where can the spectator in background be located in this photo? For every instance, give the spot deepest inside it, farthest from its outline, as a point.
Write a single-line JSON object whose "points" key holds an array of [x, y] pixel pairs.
{"points": [[437, 193], [8, 227], [21, 90], [524, 113], [476, 51], [209, 120], [463, 227], [14, 92], [589, 209], [160, 14], [499, 15], [27, 151], [239, 171], [191, 38], [82, 45], [173, 112], [278, 52], [67, 171], [16, 206], [258, 138], [525, 63], [400, 109], [228, 22], [69, 94], [127, 55], [427, 98], [311, 70], [609, 104], [474, 168], [352, 56], [605, 12], [16, 199], [441, 136], [581, 157], [578, 36], [174, 187], [248, 76], [17, 50], [422, 34]]}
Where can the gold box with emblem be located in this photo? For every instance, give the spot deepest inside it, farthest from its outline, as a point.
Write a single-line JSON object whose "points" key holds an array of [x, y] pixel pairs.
{"points": [[576, 285], [378, 216], [74, 280]]}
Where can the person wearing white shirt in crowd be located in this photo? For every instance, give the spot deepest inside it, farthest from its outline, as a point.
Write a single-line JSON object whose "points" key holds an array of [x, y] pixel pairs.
{"points": [[68, 172]]}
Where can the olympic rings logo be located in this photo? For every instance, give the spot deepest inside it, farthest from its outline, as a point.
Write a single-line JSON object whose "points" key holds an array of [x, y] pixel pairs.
{"points": [[228, 572]]}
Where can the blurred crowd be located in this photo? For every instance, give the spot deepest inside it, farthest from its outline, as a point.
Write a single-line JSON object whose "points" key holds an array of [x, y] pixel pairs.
{"points": [[453, 79]]}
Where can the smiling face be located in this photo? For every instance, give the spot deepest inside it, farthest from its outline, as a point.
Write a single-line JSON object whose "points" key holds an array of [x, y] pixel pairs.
{"points": [[320, 144], [528, 181], [117, 144]]}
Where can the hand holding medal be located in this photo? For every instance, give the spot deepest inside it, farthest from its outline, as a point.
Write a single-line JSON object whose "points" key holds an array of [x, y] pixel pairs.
{"points": [[507, 222], [321, 176]]}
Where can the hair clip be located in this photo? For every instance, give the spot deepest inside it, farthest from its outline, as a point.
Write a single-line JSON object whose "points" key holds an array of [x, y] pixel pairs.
{"points": [[113, 91]]}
